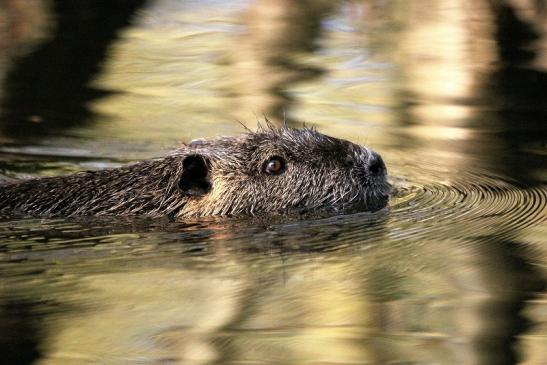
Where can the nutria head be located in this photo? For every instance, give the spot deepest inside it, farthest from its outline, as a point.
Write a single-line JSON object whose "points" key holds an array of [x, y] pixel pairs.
{"points": [[280, 170], [273, 170]]}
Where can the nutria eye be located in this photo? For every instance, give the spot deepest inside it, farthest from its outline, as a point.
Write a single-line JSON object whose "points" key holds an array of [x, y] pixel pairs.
{"points": [[274, 166]]}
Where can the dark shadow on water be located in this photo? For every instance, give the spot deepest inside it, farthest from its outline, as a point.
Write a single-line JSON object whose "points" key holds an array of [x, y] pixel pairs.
{"points": [[515, 280], [47, 91], [518, 90], [19, 339]]}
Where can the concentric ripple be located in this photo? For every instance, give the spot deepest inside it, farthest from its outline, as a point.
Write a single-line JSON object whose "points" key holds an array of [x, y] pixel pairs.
{"points": [[469, 204]]}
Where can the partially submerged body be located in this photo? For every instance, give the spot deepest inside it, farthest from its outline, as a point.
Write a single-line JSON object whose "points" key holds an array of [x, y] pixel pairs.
{"points": [[278, 171]]}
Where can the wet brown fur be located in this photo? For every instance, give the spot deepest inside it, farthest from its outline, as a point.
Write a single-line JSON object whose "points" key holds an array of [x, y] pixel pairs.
{"points": [[322, 173]]}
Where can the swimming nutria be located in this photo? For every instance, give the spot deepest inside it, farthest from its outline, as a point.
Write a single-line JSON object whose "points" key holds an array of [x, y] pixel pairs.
{"points": [[272, 170]]}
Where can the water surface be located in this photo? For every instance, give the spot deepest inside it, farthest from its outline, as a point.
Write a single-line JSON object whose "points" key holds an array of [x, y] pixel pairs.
{"points": [[452, 95]]}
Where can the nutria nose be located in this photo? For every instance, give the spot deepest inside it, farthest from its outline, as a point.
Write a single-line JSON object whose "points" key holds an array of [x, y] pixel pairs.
{"points": [[376, 165]]}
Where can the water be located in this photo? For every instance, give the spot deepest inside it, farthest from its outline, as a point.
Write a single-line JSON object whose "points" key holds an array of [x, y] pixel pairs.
{"points": [[452, 95]]}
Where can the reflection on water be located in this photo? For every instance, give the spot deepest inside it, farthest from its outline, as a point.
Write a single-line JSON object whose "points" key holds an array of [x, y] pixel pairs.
{"points": [[451, 93], [47, 90]]}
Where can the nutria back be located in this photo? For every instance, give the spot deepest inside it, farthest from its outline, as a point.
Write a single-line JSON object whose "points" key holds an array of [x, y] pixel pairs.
{"points": [[271, 170]]}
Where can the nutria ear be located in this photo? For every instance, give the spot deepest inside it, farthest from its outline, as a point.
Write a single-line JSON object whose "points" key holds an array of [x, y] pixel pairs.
{"points": [[195, 179]]}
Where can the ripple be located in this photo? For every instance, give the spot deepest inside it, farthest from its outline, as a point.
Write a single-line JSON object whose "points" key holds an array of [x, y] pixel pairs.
{"points": [[472, 204]]}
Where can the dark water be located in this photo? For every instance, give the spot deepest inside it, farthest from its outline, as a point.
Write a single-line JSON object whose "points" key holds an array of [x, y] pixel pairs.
{"points": [[452, 94]]}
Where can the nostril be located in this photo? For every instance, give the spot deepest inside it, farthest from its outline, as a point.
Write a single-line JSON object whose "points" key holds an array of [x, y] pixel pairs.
{"points": [[375, 168], [376, 164]]}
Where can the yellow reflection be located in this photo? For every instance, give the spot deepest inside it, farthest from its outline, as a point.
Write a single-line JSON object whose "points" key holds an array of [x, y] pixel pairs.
{"points": [[147, 315], [417, 302]]}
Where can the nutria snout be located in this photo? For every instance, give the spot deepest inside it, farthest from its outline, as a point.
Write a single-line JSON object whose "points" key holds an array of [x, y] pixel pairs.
{"points": [[376, 165], [273, 170]]}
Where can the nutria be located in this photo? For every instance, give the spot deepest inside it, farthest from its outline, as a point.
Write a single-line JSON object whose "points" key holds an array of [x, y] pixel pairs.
{"points": [[272, 170]]}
